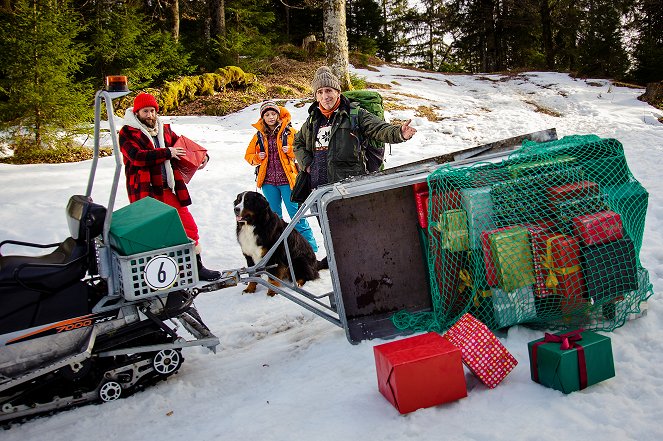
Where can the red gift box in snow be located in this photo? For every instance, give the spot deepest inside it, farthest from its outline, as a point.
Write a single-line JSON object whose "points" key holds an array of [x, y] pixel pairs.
{"points": [[192, 160], [420, 371], [596, 228], [482, 352]]}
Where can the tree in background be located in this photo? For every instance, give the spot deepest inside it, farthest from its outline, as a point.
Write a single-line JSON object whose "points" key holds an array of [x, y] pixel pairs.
{"points": [[123, 40], [39, 58], [600, 47], [646, 22], [430, 25], [336, 39], [365, 26]]}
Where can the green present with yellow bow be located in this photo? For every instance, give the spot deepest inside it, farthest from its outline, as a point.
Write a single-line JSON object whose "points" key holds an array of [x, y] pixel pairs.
{"points": [[453, 226]]}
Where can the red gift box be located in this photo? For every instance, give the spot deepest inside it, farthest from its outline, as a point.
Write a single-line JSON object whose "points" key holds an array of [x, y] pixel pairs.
{"points": [[192, 160], [421, 371], [597, 228], [574, 190], [557, 268], [482, 352], [421, 199]]}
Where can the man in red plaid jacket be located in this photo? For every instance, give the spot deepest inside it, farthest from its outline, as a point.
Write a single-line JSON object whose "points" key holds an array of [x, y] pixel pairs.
{"points": [[146, 144]]}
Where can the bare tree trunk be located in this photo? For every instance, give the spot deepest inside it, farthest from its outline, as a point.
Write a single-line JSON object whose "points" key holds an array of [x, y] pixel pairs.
{"points": [[336, 39], [546, 31], [175, 12], [217, 12]]}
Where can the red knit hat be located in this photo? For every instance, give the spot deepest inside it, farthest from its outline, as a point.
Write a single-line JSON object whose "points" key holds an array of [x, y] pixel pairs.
{"points": [[145, 100]]}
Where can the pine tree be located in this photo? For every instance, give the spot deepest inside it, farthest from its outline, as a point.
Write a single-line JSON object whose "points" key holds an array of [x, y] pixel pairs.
{"points": [[39, 60], [365, 24], [647, 22]]}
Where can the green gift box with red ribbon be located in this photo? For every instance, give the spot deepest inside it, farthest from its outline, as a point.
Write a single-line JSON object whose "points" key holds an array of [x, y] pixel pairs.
{"points": [[571, 361]]}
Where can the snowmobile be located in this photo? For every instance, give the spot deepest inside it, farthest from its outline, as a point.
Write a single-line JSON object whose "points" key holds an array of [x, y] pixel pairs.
{"points": [[77, 324]]}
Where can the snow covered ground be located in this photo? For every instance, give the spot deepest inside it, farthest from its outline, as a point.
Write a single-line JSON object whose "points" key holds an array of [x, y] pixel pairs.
{"points": [[282, 373]]}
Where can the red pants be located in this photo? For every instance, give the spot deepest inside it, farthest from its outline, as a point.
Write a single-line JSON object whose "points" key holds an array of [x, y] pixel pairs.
{"points": [[190, 227]]}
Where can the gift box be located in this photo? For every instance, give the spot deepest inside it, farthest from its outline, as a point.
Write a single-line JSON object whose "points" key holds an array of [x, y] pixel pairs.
{"points": [[558, 268], [421, 371], [491, 274], [421, 201], [482, 352], [597, 228], [566, 211], [630, 201], [192, 160], [571, 361], [478, 205], [609, 269], [512, 255], [145, 225], [512, 308], [454, 281], [575, 190], [540, 167], [453, 229]]}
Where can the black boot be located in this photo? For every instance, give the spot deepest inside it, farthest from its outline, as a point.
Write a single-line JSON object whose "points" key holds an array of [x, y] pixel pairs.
{"points": [[204, 273]]}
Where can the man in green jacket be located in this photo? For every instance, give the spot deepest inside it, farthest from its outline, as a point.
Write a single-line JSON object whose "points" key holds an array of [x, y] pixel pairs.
{"points": [[325, 146]]}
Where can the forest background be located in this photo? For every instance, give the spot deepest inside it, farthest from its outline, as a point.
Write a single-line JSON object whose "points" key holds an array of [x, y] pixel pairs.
{"points": [[55, 53]]}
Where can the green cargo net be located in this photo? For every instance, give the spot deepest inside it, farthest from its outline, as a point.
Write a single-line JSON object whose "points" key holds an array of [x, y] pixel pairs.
{"points": [[549, 237]]}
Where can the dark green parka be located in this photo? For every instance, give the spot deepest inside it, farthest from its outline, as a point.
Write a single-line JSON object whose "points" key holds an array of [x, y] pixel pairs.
{"points": [[344, 156]]}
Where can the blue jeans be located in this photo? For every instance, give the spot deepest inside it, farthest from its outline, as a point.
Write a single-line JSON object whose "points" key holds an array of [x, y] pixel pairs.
{"points": [[277, 193]]}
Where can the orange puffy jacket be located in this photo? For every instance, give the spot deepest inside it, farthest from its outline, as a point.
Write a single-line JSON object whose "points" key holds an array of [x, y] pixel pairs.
{"points": [[287, 159]]}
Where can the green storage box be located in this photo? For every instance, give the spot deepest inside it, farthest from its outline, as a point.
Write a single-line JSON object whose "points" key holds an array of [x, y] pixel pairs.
{"points": [[146, 225], [560, 369]]}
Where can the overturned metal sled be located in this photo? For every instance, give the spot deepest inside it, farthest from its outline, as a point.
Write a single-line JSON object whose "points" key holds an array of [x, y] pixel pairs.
{"points": [[369, 225]]}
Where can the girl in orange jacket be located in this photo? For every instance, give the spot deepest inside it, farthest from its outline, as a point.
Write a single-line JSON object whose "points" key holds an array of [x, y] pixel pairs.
{"points": [[270, 150]]}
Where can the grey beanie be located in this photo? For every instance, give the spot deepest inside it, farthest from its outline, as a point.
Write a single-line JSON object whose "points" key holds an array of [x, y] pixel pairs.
{"points": [[325, 78]]}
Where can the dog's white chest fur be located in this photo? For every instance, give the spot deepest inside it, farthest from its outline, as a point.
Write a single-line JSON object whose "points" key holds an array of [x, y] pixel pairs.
{"points": [[248, 242]]}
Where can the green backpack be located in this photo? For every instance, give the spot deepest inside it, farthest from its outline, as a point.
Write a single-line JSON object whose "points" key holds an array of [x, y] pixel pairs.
{"points": [[372, 102]]}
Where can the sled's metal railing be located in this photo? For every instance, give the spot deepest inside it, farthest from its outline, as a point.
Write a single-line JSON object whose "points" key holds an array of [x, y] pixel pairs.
{"points": [[103, 96], [370, 280]]}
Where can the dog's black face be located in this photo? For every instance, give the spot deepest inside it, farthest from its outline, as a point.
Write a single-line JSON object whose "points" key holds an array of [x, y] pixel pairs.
{"points": [[248, 205]]}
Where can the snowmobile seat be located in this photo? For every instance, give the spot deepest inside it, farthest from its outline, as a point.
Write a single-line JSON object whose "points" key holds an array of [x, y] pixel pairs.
{"points": [[36, 290], [69, 261]]}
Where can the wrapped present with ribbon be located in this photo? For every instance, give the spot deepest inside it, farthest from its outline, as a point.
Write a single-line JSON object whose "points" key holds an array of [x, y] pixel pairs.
{"points": [[630, 201], [574, 190], [491, 274], [454, 281], [512, 255], [566, 211], [481, 350], [512, 308], [597, 228], [610, 269], [542, 167], [453, 226], [421, 202], [478, 205], [560, 271], [572, 360]]}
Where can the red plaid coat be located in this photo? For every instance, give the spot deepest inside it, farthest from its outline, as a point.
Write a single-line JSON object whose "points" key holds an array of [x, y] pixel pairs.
{"points": [[142, 161]]}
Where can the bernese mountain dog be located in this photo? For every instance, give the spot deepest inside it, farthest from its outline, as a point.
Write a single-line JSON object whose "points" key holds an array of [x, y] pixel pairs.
{"points": [[258, 228]]}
